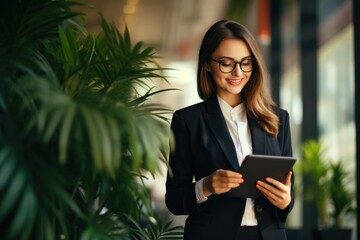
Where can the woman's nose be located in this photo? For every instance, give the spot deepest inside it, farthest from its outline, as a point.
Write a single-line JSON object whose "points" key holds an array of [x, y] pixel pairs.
{"points": [[237, 70]]}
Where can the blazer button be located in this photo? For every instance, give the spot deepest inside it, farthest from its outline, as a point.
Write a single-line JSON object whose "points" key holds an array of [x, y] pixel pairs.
{"points": [[259, 208]]}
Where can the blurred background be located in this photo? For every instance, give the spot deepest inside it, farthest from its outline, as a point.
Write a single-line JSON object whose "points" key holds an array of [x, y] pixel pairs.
{"points": [[309, 48]]}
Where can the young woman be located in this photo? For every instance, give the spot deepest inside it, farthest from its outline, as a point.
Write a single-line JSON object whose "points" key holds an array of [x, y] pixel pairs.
{"points": [[236, 118]]}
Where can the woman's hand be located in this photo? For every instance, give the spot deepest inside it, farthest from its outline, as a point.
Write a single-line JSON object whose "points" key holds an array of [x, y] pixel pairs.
{"points": [[221, 181], [277, 193]]}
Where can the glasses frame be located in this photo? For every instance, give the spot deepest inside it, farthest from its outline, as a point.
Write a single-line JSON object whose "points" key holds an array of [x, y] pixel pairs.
{"points": [[236, 62]]}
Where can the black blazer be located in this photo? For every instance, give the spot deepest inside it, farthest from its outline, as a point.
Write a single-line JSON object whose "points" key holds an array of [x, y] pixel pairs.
{"points": [[202, 145]]}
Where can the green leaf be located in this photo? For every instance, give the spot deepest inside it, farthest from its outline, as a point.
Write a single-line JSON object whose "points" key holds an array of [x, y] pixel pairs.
{"points": [[93, 138], [25, 215], [13, 192], [65, 46], [64, 139], [7, 168], [103, 133], [115, 136], [54, 121]]}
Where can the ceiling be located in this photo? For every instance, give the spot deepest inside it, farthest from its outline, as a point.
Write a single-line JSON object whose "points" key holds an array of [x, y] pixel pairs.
{"points": [[174, 27]]}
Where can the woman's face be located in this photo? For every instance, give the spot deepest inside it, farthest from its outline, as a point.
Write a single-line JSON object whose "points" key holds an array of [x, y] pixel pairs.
{"points": [[230, 84]]}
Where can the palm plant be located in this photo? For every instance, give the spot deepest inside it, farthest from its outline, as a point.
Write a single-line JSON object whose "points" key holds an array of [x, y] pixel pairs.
{"points": [[329, 186], [315, 170], [340, 195], [77, 131]]}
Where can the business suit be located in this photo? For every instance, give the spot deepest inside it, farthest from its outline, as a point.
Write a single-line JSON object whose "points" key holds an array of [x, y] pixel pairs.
{"points": [[203, 144]]}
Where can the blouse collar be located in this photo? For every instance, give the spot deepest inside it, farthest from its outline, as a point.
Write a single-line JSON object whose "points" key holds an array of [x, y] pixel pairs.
{"points": [[237, 113]]}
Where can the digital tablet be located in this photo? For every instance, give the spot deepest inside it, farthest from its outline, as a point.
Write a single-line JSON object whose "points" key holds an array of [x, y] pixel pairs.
{"points": [[258, 167]]}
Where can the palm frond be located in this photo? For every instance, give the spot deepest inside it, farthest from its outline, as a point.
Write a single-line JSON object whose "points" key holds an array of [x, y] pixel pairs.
{"points": [[341, 196], [19, 202], [154, 230]]}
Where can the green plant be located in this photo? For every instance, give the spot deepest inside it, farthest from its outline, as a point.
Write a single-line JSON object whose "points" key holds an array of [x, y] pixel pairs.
{"points": [[341, 197], [327, 185], [315, 170], [76, 128]]}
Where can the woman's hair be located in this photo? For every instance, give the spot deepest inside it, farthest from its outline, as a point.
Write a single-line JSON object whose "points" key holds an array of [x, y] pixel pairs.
{"points": [[258, 101]]}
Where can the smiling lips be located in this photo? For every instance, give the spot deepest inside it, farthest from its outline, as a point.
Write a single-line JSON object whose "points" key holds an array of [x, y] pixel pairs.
{"points": [[234, 82]]}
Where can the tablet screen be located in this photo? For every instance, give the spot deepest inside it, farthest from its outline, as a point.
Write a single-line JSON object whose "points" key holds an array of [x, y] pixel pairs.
{"points": [[258, 167]]}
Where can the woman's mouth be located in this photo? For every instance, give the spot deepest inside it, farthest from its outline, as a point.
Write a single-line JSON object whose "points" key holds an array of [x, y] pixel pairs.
{"points": [[234, 82]]}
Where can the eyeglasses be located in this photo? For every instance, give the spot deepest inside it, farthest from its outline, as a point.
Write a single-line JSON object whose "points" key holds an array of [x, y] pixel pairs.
{"points": [[228, 65]]}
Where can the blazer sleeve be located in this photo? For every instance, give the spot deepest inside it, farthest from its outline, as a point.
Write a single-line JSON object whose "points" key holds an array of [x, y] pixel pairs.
{"points": [[180, 195], [284, 138]]}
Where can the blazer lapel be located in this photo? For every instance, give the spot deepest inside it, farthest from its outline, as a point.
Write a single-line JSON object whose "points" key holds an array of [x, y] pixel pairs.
{"points": [[215, 119], [258, 136]]}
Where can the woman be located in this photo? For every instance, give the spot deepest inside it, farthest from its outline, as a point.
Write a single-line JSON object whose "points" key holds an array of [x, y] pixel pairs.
{"points": [[236, 118]]}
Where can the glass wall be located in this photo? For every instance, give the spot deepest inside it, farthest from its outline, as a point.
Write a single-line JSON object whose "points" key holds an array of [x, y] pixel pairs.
{"points": [[335, 83], [336, 94]]}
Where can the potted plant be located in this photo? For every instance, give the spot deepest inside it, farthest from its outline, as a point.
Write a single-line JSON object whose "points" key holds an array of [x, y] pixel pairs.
{"points": [[76, 129], [328, 190]]}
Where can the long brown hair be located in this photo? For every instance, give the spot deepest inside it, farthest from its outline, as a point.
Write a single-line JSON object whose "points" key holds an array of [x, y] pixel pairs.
{"points": [[258, 101]]}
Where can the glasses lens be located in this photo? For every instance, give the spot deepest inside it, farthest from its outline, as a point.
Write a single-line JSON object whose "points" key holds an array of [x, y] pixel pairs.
{"points": [[246, 65], [227, 66]]}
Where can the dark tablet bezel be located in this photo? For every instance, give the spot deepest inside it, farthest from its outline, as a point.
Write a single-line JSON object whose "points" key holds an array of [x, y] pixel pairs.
{"points": [[258, 167]]}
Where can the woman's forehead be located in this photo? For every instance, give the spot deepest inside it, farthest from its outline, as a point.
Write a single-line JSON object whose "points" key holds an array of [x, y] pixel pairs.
{"points": [[233, 48]]}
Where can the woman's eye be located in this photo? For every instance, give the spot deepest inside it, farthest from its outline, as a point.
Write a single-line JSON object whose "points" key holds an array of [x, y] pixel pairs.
{"points": [[226, 63], [246, 63]]}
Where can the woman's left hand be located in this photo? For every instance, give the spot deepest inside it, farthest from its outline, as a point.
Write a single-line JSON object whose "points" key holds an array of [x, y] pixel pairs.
{"points": [[278, 193]]}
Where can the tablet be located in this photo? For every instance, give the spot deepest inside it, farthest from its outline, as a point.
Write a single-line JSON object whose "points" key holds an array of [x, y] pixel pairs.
{"points": [[258, 167]]}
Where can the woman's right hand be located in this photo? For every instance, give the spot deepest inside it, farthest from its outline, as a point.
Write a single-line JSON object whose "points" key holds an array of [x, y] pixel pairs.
{"points": [[221, 181]]}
